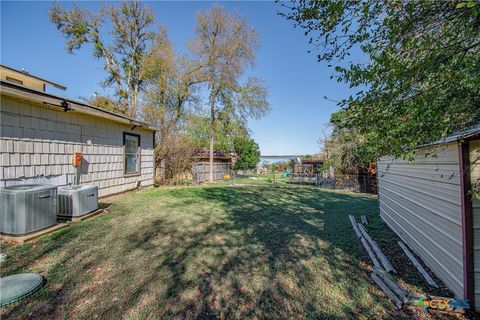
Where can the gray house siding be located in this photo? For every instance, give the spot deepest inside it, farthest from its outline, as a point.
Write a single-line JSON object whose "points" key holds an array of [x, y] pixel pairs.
{"points": [[421, 202], [38, 141]]}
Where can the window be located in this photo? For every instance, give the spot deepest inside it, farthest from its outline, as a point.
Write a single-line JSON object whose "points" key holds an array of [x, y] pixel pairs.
{"points": [[14, 81], [131, 144]]}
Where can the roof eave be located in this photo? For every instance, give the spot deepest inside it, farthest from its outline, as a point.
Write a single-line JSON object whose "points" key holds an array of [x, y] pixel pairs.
{"points": [[469, 133], [56, 85], [18, 91]]}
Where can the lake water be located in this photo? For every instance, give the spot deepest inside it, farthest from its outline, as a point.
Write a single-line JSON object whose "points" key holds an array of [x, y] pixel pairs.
{"points": [[276, 159]]}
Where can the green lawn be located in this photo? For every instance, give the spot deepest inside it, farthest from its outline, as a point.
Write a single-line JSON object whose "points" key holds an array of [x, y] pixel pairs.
{"points": [[258, 179], [211, 252]]}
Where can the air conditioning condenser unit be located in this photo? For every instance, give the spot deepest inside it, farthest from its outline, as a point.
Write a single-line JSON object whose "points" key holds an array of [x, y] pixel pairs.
{"points": [[76, 201], [27, 208]]}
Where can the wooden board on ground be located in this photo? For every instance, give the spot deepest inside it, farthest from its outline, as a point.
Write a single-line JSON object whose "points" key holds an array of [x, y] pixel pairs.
{"points": [[400, 291], [81, 218], [383, 259], [355, 226], [417, 264], [32, 236], [364, 220], [370, 253], [388, 292]]}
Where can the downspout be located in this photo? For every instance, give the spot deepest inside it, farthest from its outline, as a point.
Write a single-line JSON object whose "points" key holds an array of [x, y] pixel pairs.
{"points": [[467, 222]]}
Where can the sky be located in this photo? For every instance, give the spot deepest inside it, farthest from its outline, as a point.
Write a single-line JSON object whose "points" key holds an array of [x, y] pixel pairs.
{"points": [[296, 82]]}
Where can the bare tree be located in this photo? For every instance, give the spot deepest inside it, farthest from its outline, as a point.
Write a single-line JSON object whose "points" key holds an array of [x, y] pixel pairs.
{"points": [[171, 83], [224, 46], [178, 161], [131, 23]]}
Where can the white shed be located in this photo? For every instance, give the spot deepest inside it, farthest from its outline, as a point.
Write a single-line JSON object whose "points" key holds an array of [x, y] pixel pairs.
{"points": [[430, 203]]}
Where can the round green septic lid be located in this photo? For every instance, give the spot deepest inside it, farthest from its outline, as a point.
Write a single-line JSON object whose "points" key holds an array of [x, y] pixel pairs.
{"points": [[18, 286]]}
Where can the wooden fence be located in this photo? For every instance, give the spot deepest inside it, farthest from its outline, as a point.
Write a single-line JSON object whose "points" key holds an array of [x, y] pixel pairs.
{"points": [[201, 171]]}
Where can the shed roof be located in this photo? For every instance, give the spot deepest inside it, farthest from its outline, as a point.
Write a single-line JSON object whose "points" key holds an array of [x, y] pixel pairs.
{"points": [[464, 133], [313, 161], [22, 92], [200, 153]]}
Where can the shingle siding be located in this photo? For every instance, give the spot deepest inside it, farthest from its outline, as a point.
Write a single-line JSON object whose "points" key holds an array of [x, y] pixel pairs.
{"points": [[36, 140], [421, 202]]}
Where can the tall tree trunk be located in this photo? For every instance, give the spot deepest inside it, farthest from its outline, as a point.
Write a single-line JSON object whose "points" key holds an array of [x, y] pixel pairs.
{"points": [[133, 103], [212, 137]]}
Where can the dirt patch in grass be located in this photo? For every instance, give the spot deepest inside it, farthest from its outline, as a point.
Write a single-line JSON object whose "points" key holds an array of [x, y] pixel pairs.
{"points": [[213, 252]]}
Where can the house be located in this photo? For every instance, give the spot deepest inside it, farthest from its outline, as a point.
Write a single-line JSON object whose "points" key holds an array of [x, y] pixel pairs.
{"points": [[23, 78], [223, 164], [432, 203], [46, 138]]}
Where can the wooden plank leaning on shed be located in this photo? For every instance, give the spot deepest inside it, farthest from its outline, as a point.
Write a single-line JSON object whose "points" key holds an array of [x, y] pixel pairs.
{"points": [[418, 265]]}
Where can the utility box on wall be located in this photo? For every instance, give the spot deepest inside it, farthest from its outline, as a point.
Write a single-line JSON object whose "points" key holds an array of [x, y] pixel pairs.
{"points": [[77, 159]]}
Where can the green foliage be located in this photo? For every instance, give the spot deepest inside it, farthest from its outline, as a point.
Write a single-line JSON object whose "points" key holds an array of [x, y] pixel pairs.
{"points": [[225, 46], [197, 127], [420, 79], [153, 82], [168, 100], [279, 166], [348, 150], [130, 29], [248, 153], [106, 103]]}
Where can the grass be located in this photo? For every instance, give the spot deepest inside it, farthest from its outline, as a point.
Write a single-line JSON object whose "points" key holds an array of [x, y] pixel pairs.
{"points": [[211, 252], [257, 179]]}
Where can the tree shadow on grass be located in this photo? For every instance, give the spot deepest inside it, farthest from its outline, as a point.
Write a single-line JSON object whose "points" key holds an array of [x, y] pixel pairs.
{"points": [[266, 258], [217, 252], [309, 245]]}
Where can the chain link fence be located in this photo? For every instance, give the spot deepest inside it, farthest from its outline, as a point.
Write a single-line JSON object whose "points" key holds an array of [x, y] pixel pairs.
{"points": [[223, 174], [358, 183]]}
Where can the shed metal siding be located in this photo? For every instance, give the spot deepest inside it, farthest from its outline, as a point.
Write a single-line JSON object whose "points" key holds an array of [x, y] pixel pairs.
{"points": [[421, 202], [475, 176]]}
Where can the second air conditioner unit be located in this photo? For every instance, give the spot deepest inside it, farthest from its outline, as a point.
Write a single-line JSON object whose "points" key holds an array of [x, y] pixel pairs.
{"points": [[76, 201]]}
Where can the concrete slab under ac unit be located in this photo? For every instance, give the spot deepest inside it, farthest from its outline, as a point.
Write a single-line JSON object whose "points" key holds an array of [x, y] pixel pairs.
{"points": [[81, 218], [32, 236]]}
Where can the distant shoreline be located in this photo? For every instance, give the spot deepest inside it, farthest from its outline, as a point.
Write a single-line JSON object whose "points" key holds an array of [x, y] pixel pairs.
{"points": [[276, 159]]}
